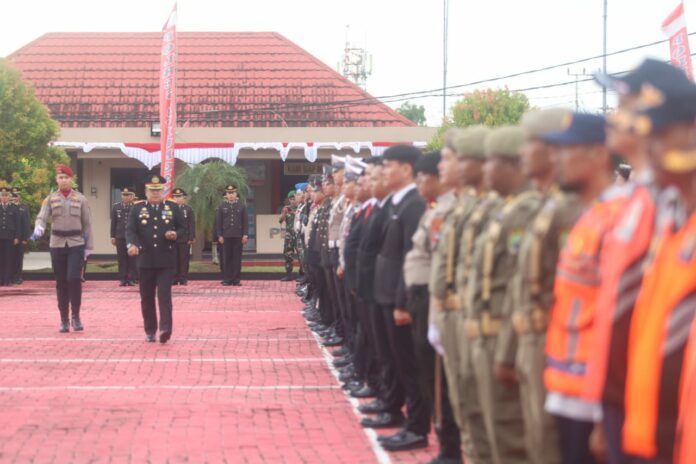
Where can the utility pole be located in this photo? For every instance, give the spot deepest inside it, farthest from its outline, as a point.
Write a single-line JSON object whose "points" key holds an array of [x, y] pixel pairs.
{"points": [[445, 39], [577, 77], [604, 60]]}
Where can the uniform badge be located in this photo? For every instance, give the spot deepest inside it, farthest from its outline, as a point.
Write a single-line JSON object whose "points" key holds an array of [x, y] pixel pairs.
{"points": [[686, 254], [514, 240], [144, 221]]}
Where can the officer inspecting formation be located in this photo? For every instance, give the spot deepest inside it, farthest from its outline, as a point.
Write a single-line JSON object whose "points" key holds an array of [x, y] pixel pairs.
{"points": [[522, 288]]}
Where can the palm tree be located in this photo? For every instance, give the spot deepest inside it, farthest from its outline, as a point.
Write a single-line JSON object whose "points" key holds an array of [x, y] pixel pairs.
{"points": [[205, 184]]}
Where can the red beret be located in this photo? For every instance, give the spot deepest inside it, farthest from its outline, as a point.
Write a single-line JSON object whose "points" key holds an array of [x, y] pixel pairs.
{"points": [[63, 169]]}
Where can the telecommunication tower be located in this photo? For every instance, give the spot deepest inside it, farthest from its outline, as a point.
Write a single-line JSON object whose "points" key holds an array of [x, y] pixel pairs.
{"points": [[357, 63]]}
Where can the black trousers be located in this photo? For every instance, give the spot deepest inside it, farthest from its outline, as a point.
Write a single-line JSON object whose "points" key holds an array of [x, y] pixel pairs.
{"points": [[403, 352], [127, 265], [574, 436], [232, 259], [221, 255], [332, 296], [448, 432], [67, 266], [6, 260], [322, 292], [183, 258], [157, 282], [18, 262], [391, 391]]}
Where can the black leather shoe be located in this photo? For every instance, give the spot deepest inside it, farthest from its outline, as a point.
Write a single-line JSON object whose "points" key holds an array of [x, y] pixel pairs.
{"points": [[236, 284], [337, 341], [342, 362], [123, 284], [364, 392], [352, 385], [405, 440], [339, 352], [64, 327], [165, 336], [150, 338], [346, 374], [226, 284], [183, 282], [132, 283], [383, 420], [77, 324], [373, 407], [176, 282]]}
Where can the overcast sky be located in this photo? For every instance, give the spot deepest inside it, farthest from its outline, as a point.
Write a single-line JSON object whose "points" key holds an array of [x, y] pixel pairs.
{"points": [[487, 38]]}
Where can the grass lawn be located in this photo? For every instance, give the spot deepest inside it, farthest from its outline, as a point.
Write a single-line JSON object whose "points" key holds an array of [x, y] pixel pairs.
{"points": [[195, 267]]}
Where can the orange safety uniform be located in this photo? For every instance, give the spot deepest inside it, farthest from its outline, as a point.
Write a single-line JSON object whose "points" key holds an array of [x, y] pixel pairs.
{"points": [[622, 265], [659, 332], [686, 434], [569, 335]]}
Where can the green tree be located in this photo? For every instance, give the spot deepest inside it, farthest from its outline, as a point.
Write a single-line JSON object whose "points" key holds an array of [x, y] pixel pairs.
{"points": [[205, 184], [415, 113], [488, 107], [26, 129]]}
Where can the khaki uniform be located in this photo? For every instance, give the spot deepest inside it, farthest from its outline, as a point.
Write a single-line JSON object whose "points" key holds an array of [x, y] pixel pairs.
{"points": [[493, 267], [445, 295], [71, 222], [531, 300]]}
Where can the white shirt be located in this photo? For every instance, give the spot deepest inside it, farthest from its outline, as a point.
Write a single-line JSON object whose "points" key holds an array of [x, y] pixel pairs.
{"points": [[398, 196]]}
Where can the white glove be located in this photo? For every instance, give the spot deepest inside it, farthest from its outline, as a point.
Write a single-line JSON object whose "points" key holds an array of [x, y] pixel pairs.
{"points": [[434, 339], [87, 253], [38, 232]]}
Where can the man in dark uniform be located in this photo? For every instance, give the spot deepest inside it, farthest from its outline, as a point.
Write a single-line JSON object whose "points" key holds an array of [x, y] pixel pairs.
{"points": [[127, 273], [24, 234], [184, 242], [153, 227], [232, 224], [10, 225]]}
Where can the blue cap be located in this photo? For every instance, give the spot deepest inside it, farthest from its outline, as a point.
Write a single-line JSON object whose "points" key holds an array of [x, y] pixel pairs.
{"points": [[632, 82], [301, 187], [579, 129]]}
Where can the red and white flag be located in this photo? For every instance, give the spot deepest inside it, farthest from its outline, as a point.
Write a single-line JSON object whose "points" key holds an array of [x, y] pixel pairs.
{"points": [[675, 28], [167, 101]]}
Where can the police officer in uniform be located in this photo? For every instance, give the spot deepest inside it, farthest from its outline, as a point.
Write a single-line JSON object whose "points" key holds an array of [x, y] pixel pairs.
{"points": [[127, 274], [152, 231], [232, 224], [25, 233], [71, 240], [184, 242], [10, 227]]}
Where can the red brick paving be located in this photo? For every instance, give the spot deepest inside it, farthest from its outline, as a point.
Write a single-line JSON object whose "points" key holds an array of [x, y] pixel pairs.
{"points": [[242, 381]]}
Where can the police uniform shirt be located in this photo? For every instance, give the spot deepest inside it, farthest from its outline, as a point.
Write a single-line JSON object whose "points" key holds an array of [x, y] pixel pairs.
{"points": [[10, 221], [189, 224], [119, 219], [232, 219], [147, 225], [71, 221]]}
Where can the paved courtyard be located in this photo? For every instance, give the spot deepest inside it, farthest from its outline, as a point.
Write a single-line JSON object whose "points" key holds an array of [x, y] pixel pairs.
{"points": [[242, 380]]}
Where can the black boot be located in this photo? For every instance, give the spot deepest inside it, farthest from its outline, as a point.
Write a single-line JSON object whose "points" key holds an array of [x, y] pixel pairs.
{"points": [[288, 277], [76, 323]]}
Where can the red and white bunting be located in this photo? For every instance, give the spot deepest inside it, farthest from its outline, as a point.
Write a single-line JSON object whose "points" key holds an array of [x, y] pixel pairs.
{"points": [[167, 101], [679, 51]]}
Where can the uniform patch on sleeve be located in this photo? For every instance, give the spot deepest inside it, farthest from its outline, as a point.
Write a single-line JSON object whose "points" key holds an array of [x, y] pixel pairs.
{"points": [[515, 240]]}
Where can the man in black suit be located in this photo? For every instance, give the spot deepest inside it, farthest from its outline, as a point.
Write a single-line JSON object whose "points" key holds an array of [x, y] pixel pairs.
{"points": [[390, 396], [407, 207], [10, 231], [153, 227], [184, 242], [25, 232], [232, 223], [127, 273]]}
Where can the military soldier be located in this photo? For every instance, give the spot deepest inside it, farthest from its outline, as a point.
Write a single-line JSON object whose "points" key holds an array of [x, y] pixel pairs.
{"points": [[287, 217], [153, 227], [10, 231], [184, 242], [127, 272], [25, 233], [232, 225], [492, 269], [301, 199], [71, 240], [461, 170], [532, 287]]}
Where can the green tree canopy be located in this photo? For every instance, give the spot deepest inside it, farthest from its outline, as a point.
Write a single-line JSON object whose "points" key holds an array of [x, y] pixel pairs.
{"points": [[415, 113], [205, 184], [488, 107], [26, 129]]}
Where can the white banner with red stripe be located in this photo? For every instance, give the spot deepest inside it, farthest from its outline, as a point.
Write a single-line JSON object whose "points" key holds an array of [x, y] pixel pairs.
{"points": [[167, 101], [679, 51], [150, 154]]}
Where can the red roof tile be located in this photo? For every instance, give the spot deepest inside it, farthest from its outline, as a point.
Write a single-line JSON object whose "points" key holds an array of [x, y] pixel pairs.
{"points": [[225, 79]]}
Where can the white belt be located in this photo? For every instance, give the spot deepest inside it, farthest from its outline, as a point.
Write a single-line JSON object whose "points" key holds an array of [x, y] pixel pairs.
{"points": [[332, 244]]}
